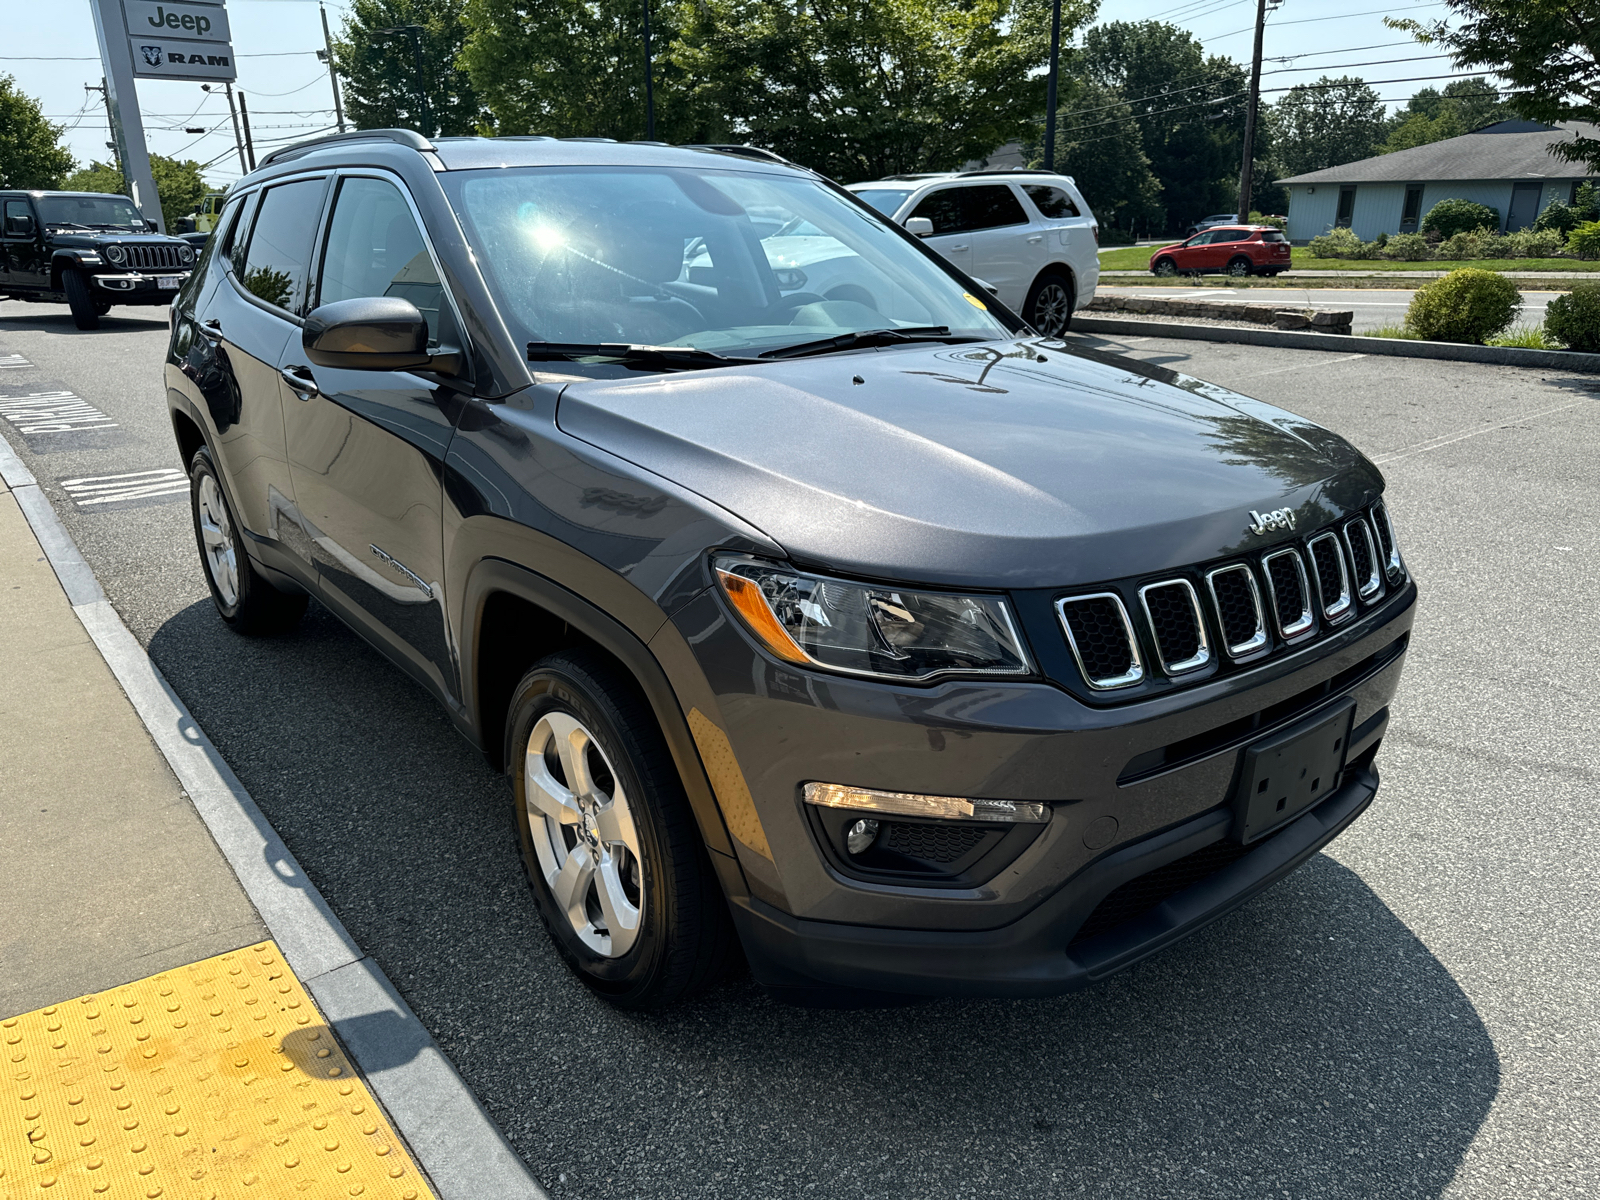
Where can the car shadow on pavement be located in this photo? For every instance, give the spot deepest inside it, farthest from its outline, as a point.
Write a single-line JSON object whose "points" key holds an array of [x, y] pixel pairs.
{"points": [[117, 320], [1305, 1045]]}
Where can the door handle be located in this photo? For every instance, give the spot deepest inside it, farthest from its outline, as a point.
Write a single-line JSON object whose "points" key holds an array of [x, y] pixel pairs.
{"points": [[212, 329], [300, 382], [953, 249], [1036, 238]]}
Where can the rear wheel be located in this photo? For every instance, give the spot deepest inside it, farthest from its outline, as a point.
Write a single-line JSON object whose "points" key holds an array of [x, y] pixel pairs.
{"points": [[80, 299], [611, 849], [245, 601], [1240, 267], [1049, 306], [1165, 268]]}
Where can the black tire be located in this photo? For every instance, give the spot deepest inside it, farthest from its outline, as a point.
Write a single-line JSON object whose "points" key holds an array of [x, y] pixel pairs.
{"points": [[246, 602], [80, 299], [1165, 268], [1241, 267], [685, 939], [1050, 302]]}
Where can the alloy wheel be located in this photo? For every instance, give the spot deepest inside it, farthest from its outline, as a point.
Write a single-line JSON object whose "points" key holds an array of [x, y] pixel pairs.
{"points": [[1052, 310], [584, 834], [216, 534], [1166, 268], [1238, 268]]}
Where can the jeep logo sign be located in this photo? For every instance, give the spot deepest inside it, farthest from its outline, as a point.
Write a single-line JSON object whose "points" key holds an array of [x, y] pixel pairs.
{"points": [[179, 39]]}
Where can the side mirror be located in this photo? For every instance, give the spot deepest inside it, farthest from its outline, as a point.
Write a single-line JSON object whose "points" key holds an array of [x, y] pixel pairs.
{"points": [[373, 333], [987, 286], [19, 226], [919, 226]]}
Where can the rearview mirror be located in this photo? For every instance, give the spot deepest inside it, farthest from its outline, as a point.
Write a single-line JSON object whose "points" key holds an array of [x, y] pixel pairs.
{"points": [[373, 333], [919, 226]]}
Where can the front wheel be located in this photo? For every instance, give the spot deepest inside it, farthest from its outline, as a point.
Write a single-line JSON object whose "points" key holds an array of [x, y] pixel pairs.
{"points": [[245, 601], [1239, 268], [1165, 268], [1049, 306], [80, 299], [610, 846]]}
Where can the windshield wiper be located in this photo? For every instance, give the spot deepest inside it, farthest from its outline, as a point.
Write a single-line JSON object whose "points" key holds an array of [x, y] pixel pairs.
{"points": [[873, 337], [67, 225], [628, 352]]}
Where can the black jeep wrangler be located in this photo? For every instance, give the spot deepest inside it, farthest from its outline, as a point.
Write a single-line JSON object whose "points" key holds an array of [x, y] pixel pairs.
{"points": [[87, 249]]}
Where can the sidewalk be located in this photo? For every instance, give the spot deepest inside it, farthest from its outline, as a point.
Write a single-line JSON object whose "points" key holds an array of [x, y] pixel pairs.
{"points": [[171, 1050]]}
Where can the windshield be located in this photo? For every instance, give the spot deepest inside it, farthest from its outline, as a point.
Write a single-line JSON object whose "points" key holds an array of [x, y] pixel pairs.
{"points": [[885, 200], [726, 261], [93, 211]]}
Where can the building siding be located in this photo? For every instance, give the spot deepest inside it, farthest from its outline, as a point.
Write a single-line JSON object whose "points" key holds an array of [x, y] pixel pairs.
{"points": [[1379, 206], [1377, 210], [1313, 213]]}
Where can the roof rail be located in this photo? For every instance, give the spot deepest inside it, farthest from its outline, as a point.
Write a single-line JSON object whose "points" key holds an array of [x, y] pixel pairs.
{"points": [[743, 151], [400, 137], [914, 175], [1010, 171]]}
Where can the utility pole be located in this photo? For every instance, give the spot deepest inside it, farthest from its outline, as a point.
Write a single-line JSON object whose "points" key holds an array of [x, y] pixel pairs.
{"points": [[333, 75], [122, 101], [649, 84], [244, 119], [105, 95], [1247, 168], [238, 138], [1050, 90]]}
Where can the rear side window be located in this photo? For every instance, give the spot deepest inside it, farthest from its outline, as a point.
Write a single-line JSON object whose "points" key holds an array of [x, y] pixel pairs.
{"points": [[374, 248], [963, 209], [279, 253], [1231, 235], [1052, 203]]}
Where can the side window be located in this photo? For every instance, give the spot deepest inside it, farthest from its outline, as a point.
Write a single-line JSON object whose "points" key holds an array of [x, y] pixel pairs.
{"points": [[1200, 239], [374, 248], [19, 219], [239, 235], [992, 206], [279, 253], [945, 209], [1053, 203]]}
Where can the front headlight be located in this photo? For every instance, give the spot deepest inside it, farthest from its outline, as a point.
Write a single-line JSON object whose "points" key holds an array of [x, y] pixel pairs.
{"points": [[186, 254], [872, 629], [117, 254]]}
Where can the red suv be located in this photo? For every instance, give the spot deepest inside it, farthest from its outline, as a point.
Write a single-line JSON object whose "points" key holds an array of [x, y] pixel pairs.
{"points": [[1236, 249]]}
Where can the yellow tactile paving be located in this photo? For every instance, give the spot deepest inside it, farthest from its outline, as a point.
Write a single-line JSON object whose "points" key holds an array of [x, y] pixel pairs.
{"points": [[214, 1080]]}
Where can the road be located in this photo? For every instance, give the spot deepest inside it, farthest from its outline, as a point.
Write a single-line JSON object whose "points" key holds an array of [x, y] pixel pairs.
{"points": [[1372, 307], [1411, 1015]]}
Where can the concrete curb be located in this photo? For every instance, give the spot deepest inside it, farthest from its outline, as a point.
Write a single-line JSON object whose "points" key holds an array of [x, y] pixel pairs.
{"points": [[1503, 356], [455, 1141]]}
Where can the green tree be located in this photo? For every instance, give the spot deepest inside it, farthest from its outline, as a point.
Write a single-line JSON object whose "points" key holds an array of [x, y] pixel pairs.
{"points": [[31, 155], [1547, 50], [1189, 109], [1326, 124], [859, 89], [1099, 144], [380, 72], [1432, 116], [179, 184]]}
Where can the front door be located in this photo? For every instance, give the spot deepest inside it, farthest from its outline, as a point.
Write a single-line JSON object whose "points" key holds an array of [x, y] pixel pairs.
{"points": [[952, 229], [366, 448], [1524, 205], [22, 245]]}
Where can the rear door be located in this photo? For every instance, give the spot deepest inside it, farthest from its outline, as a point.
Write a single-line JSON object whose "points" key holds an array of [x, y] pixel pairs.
{"points": [[1069, 231], [1003, 255], [366, 448]]}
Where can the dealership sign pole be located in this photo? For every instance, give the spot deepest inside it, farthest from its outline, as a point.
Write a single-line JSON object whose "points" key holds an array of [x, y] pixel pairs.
{"points": [[144, 39]]}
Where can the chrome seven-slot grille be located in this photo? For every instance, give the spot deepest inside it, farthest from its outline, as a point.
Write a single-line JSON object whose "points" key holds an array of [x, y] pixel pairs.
{"points": [[1285, 594], [153, 258]]}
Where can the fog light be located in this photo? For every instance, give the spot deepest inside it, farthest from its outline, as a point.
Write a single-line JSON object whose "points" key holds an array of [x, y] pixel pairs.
{"points": [[908, 804], [861, 836]]}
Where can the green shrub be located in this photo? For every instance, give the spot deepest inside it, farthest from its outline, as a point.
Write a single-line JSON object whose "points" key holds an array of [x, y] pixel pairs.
{"points": [[1279, 223], [1381, 240], [1584, 240], [1574, 318], [1587, 203], [1467, 305], [1340, 243], [1457, 216], [1534, 243], [1558, 216], [1469, 243], [1408, 247]]}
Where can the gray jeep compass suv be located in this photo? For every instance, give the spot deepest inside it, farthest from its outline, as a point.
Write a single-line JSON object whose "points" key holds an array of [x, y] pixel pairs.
{"points": [[859, 628]]}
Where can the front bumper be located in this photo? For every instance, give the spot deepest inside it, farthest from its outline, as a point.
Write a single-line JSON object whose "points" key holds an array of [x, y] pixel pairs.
{"points": [[137, 287], [1159, 774]]}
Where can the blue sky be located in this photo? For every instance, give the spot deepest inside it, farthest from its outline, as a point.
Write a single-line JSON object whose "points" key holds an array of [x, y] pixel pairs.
{"points": [[50, 49]]}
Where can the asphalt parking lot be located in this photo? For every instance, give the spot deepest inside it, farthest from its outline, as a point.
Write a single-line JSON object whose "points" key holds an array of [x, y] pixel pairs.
{"points": [[1410, 1015]]}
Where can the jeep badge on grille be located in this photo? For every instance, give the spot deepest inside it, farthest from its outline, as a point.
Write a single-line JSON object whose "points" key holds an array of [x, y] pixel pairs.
{"points": [[1278, 518]]}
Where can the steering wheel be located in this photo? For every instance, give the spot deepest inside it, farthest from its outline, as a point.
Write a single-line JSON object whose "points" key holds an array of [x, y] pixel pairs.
{"points": [[791, 302]]}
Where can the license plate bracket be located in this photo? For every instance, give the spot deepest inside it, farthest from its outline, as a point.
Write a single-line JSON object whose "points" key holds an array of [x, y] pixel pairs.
{"points": [[169, 283], [1285, 774]]}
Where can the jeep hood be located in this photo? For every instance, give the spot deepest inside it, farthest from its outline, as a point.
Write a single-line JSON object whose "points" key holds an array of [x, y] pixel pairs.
{"points": [[1012, 464]]}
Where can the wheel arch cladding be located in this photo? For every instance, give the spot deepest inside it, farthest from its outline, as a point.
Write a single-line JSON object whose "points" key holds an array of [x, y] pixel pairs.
{"points": [[189, 435], [515, 617]]}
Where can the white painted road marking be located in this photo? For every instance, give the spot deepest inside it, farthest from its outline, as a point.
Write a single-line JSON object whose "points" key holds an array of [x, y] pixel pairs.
{"points": [[52, 412], [135, 485], [11, 361]]}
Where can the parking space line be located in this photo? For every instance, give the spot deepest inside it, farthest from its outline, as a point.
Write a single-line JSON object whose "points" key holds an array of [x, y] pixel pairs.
{"points": [[1436, 443], [12, 362], [52, 412], [133, 485], [1301, 366]]}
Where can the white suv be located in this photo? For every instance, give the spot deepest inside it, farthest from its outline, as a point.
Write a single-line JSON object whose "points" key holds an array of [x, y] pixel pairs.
{"points": [[1029, 235]]}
